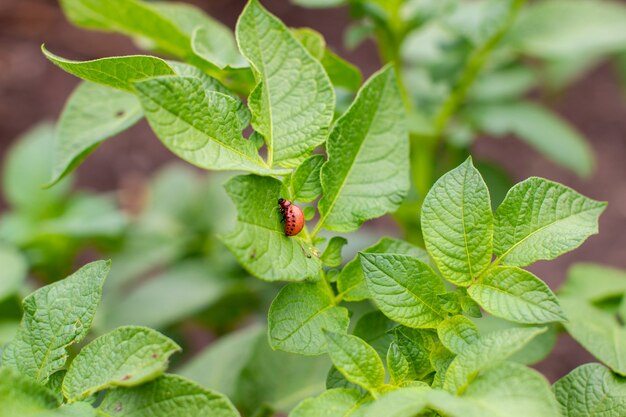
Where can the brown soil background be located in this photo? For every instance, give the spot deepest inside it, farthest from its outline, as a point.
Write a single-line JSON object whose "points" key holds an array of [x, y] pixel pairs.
{"points": [[32, 89]]}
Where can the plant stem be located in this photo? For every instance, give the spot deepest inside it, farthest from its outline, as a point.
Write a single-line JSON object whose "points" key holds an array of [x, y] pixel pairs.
{"points": [[474, 65]]}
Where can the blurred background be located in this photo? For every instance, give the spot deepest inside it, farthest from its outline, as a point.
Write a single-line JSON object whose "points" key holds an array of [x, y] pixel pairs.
{"points": [[33, 90]]}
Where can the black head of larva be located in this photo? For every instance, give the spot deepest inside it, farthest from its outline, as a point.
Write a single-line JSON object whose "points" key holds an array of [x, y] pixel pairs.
{"points": [[283, 203]]}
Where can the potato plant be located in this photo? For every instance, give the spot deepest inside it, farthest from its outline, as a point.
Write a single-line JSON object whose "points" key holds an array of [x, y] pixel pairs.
{"points": [[405, 322]]}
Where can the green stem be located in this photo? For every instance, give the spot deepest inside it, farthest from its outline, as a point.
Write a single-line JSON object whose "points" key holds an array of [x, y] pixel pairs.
{"points": [[473, 67]]}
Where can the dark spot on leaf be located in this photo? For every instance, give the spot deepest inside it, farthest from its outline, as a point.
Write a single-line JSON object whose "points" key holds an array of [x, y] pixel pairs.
{"points": [[126, 377], [120, 113], [155, 355]]}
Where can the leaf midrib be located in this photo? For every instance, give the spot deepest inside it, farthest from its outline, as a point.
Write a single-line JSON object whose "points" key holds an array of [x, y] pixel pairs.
{"points": [[209, 137], [356, 154], [305, 322], [409, 291], [499, 290], [515, 245]]}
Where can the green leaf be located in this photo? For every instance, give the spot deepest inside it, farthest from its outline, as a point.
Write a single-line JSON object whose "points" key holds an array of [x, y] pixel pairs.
{"points": [[118, 72], [488, 351], [129, 17], [586, 28], [416, 345], [126, 357], [55, 317], [202, 127], [258, 241], [168, 395], [22, 396], [341, 72], [335, 379], [210, 84], [299, 314], [339, 402], [13, 273], [541, 219], [457, 333], [226, 358], [309, 213], [358, 180], [351, 282], [470, 307], [312, 40], [458, 225], [397, 364], [293, 102], [450, 302], [22, 187], [440, 359], [403, 402], [404, 288], [516, 295], [278, 379], [211, 40], [80, 409], [305, 182], [503, 85], [92, 114], [332, 253], [591, 390], [216, 44], [597, 331], [508, 389], [498, 181], [356, 360], [374, 328], [593, 282], [540, 128], [535, 351]]}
